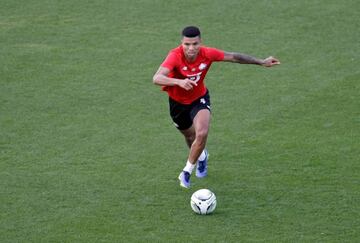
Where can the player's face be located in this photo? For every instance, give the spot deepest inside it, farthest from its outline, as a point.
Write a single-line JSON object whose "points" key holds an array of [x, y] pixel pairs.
{"points": [[191, 47]]}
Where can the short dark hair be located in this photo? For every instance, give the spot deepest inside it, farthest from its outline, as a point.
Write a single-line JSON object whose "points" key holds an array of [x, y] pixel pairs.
{"points": [[191, 31]]}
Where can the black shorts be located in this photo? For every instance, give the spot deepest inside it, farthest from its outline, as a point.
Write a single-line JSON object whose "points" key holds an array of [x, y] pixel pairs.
{"points": [[183, 115]]}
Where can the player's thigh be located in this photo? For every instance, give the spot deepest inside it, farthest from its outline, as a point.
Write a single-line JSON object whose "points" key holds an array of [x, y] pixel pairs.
{"points": [[202, 122], [201, 114]]}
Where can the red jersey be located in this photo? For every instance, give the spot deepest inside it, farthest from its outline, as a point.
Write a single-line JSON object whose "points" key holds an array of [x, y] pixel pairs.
{"points": [[180, 68]]}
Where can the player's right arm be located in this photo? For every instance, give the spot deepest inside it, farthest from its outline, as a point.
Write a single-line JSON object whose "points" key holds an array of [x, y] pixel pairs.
{"points": [[161, 78]]}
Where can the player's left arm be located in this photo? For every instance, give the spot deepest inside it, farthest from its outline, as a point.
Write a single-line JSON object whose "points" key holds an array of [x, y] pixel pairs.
{"points": [[246, 59]]}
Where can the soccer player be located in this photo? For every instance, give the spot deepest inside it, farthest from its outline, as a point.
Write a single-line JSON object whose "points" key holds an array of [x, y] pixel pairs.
{"points": [[182, 75]]}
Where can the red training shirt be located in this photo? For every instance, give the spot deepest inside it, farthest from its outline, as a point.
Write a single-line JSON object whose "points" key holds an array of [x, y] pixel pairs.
{"points": [[180, 68]]}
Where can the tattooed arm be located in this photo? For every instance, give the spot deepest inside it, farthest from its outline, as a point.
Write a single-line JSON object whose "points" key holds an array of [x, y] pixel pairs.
{"points": [[246, 59]]}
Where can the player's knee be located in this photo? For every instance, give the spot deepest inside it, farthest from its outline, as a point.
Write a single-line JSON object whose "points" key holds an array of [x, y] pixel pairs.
{"points": [[189, 135], [201, 135], [190, 139]]}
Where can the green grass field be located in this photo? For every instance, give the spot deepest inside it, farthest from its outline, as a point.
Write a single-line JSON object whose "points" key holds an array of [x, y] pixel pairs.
{"points": [[88, 152]]}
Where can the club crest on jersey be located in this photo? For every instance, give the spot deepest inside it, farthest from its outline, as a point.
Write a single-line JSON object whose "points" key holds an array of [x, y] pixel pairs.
{"points": [[185, 68], [202, 66]]}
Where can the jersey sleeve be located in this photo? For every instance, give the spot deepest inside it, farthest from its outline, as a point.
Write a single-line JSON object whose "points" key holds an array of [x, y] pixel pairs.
{"points": [[170, 61], [214, 54]]}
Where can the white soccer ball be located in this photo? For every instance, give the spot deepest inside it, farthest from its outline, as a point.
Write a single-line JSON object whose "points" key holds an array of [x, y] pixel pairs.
{"points": [[203, 201]]}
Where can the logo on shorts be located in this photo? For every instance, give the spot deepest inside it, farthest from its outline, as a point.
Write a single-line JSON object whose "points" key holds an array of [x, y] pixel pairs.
{"points": [[202, 101]]}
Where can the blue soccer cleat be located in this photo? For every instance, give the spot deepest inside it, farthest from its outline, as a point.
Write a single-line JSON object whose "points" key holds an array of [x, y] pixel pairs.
{"points": [[184, 179], [201, 168]]}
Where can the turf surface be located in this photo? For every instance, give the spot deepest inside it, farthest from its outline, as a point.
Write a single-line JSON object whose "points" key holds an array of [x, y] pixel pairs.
{"points": [[88, 152]]}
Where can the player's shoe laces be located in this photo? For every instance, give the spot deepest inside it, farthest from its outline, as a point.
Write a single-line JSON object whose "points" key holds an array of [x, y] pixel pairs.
{"points": [[184, 179], [201, 168]]}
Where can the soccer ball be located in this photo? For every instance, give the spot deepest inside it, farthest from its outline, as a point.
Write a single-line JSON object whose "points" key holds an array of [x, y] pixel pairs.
{"points": [[203, 201]]}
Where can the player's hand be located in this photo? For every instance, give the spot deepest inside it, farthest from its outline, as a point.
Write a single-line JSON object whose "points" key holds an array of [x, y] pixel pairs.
{"points": [[270, 61], [187, 84]]}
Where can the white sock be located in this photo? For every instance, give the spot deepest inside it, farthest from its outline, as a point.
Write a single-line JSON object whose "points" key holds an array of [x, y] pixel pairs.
{"points": [[202, 155], [189, 167]]}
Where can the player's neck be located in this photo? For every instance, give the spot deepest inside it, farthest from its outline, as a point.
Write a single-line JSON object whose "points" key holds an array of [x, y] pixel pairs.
{"points": [[190, 59]]}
